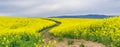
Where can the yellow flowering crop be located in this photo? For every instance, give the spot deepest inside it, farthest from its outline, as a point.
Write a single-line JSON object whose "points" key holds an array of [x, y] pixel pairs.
{"points": [[106, 31], [21, 32]]}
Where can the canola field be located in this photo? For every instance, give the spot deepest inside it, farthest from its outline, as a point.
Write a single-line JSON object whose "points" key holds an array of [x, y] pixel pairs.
{"points": [[25, 32], [105, 31], [21, 32]]}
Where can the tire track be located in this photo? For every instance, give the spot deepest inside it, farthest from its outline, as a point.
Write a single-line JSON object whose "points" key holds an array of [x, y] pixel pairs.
{"points": [[45, 32]]}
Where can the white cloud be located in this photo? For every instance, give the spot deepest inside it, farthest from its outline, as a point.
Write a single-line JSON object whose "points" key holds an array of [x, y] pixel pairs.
{"points": [[4, 14], [19, 3], [62, 7]]}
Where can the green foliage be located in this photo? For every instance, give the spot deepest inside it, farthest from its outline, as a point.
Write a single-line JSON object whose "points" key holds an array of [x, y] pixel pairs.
{"points": [[60, 39], [81, 45], [70, 42]]}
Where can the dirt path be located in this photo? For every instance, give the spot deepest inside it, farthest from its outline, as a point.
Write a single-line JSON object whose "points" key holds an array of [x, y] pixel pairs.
{"points": [[46, 31], [77, 42]]}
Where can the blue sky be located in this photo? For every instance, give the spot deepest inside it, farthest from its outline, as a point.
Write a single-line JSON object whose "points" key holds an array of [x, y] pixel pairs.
{"points": [[46, 8]]}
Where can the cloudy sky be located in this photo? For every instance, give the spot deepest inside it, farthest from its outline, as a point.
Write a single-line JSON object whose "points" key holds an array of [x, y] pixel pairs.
{"points": [[46, 8]]}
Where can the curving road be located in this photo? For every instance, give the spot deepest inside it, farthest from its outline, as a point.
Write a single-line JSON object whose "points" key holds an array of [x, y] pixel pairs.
{"points": [[77, 42]]}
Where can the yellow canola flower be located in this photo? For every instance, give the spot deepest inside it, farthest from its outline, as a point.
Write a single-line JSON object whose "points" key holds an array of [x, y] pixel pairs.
{"points": [[101, 30], [13, 29], [54, 42]]}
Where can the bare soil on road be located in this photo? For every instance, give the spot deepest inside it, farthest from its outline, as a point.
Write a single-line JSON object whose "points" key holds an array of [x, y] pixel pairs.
{"points": [[76, 43]]}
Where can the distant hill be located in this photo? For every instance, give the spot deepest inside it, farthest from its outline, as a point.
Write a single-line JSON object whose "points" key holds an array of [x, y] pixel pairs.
{"points": [[83, 16]]}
